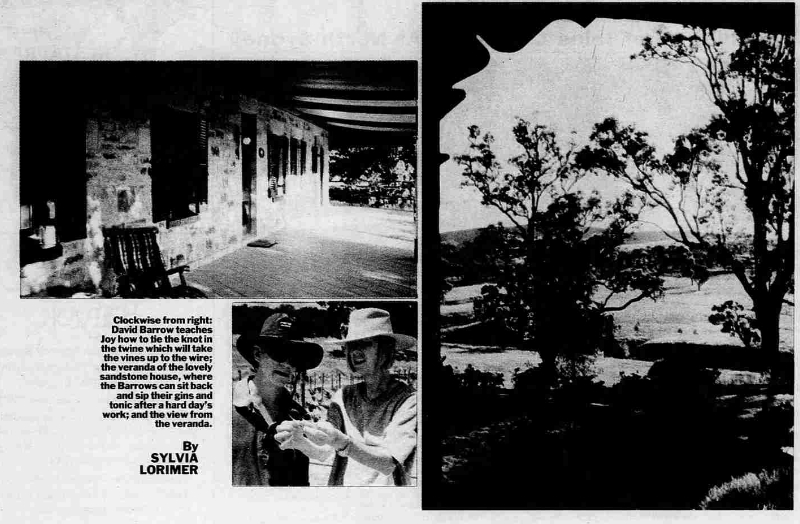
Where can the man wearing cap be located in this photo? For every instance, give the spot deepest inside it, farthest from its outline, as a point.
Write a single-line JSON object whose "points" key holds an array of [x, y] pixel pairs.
{"points": [[372, 425], [261, 402]]}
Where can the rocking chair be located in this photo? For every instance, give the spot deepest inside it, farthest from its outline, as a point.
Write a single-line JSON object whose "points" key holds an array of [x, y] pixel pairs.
{"points": [[135, 257]]}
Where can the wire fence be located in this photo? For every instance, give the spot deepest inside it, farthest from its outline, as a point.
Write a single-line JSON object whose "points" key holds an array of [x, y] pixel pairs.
{"points": [[315, 390], [334, 380]]}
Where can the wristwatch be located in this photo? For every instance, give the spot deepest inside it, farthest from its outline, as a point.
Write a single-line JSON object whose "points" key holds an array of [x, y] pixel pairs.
{"points": [[344, 451]]}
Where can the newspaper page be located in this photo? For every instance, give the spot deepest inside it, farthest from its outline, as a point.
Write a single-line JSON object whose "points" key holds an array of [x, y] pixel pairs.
{"points": [[173, 140], [218, 214]]}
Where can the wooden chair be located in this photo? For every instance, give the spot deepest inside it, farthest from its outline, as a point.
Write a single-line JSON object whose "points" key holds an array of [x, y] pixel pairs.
{"points": [[135, 257]]}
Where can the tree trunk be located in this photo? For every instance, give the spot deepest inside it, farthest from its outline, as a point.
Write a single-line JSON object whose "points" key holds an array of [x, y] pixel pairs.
{"points": [[768, 315], [548, 367], [767, 303]]}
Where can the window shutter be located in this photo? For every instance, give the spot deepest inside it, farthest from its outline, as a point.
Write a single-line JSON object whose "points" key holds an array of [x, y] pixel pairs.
{"points": [[293, 147], [201, 182], [202, 142], [285, 164], [314, 159]]}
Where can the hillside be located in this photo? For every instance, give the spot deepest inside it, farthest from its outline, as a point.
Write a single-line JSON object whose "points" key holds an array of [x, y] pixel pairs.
{"points": [[462, 236], [459, 237]]}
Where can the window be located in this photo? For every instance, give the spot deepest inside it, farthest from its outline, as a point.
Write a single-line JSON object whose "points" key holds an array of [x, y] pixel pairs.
{"points": [[302, 157], [52, 172], [278, 163], [180, 164]]}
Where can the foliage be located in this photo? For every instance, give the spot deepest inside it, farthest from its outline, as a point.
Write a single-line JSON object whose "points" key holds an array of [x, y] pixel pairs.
{"points": [[767, 490], [337, 316], [676, 379], [688, 183], [562, 248], [736, 321], [318, 400], [752, 86], [575, 381], [675, 390], [471, 381], [318, 397], [631, 391], [350, 194], [648, 437], [449, 267], [377, 176], [323, 319], [529, 381], [698, 274], [479, 257], [773, 426], [493, 310]]}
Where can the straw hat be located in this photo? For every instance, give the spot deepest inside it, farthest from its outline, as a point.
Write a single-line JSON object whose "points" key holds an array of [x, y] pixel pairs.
{"points": [[373, 322]]}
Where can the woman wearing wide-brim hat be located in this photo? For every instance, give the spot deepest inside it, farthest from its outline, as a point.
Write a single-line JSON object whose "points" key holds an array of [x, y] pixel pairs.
{"points": [[261, 402], [371, 425]]}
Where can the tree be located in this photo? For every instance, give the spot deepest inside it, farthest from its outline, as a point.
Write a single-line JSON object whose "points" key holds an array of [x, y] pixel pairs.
{"points": [[377, 176], [559, 269], [753, 89], [479, 256], [449, 268]]}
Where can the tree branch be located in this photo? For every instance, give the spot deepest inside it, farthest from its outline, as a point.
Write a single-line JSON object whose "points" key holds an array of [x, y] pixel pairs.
{"points": [[642, 296]]}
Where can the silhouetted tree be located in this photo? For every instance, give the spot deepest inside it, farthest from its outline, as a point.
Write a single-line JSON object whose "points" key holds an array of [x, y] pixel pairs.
{"points": [[559, 268], [752, 86], [479, 257]]}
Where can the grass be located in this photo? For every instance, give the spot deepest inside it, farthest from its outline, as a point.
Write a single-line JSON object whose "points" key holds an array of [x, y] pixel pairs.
{"points": [[669, 452], [749, 491], [613, 457], [607, 369], [681, 315]]}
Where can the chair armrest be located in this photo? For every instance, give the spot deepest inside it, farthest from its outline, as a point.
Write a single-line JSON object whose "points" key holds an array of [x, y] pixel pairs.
{"points": [[180, 270]]}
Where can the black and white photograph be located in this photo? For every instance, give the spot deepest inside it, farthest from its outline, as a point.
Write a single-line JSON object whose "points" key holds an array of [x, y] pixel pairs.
{"points": [[218, 179], [324, 394], [616, 256]]}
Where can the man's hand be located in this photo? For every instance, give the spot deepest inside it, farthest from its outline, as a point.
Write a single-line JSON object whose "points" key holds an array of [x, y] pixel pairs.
{"points": [[242, 397], [289, 434], [323, 433]]}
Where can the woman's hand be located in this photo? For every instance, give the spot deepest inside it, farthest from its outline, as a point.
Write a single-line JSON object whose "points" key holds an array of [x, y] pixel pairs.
{"points": [[325, 436], [323, 433], [291, 434]]}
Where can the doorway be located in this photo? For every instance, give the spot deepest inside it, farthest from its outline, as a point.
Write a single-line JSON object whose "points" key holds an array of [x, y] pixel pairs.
{"points": [[249, 148]]}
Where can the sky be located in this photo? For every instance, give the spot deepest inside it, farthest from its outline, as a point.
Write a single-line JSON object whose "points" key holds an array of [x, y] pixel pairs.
{"points": [[568, 77]]}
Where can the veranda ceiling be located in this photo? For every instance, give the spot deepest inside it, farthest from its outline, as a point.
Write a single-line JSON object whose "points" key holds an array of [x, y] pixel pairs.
{"points": [[359, 103]]}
